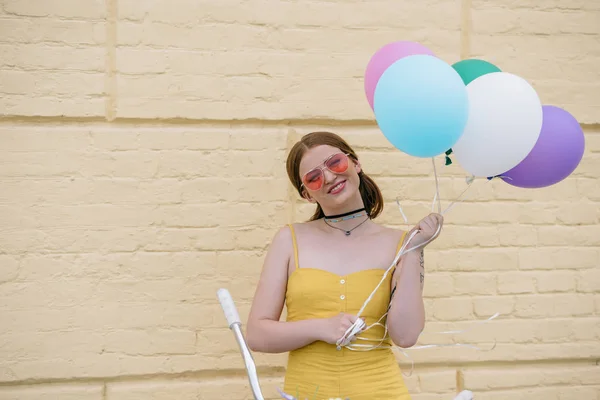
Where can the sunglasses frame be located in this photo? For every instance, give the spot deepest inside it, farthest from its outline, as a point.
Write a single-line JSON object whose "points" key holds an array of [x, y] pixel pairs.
{"points": [[322, 166]]}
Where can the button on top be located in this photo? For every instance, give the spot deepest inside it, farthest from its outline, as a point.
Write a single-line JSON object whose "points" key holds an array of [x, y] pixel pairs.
{"points": [[343, 281]]}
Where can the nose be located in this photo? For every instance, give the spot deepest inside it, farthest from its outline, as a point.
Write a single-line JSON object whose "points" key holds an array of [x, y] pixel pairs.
{"points": [[329, 176]]}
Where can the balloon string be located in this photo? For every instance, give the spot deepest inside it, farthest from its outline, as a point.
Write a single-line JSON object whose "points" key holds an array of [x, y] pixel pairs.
{"points": [[437, 189], [401, 212], [480, 322], [470, 181], [436, 197], [404, 351]]}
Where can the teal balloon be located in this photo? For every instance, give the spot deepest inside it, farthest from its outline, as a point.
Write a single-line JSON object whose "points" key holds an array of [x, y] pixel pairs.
{"points": [[473, 68], [421, 105]]}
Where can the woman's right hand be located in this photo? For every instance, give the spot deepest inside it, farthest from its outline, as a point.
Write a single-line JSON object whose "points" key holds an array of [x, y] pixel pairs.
{"points": [[335, 327]]}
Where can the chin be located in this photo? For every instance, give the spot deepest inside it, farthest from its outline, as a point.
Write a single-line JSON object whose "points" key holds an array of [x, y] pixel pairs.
{"points": [[348, 194]]}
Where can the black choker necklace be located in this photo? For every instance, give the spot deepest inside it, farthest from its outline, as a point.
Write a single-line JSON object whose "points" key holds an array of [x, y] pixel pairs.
{"points": [[346, 215]]}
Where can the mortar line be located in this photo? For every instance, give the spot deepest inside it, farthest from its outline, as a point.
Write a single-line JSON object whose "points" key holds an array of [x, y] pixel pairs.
{"points": [[277, 371], [212, 122], [15, 120]]}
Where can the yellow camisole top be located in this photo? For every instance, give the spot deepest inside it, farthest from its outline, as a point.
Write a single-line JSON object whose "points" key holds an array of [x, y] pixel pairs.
{"points": [[320, 371]]}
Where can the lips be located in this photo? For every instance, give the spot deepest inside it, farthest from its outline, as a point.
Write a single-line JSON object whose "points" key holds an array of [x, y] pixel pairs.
{"points": [[338, 187]]}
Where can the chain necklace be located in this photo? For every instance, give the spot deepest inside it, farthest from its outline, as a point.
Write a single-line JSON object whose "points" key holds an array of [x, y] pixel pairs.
{"points": [[345, 218], [346, 232]]}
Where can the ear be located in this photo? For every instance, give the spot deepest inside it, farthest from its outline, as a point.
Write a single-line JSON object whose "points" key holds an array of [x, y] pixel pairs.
{"points": [[307, 197], [357, 166]]}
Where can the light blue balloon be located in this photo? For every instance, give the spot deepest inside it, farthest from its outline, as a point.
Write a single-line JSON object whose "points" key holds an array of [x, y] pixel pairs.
{"points": [[421, 105]]}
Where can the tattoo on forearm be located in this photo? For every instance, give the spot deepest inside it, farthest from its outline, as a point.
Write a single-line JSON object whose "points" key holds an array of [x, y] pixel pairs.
{"points": [[422, 262]]}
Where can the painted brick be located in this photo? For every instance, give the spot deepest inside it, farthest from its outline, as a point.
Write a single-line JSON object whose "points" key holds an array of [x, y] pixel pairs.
{"points": [[49, 392], [473, 260], [39, 56], [533, 35], [52, 31], [555, 305], [68, 9], [10, 268], [326, 51], [40, 74], [589, 281], [551, 258], [516, 282], [556, 281], [237, 388], [451, 309], [527, 378], [592, 142]]}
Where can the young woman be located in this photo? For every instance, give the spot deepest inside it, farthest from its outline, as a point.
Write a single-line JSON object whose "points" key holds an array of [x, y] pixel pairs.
{"points": [[325, 269]]}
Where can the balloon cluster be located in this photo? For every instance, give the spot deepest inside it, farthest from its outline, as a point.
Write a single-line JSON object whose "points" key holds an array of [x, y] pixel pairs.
{"points": [[493, 122]]}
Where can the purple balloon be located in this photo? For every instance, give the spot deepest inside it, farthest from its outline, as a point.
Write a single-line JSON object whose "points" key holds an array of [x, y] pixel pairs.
{"points": [[556, 154]]}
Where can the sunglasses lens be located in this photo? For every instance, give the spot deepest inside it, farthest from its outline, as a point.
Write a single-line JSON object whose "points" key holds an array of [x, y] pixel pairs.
{"points": [[314, 179], [338, 163]]}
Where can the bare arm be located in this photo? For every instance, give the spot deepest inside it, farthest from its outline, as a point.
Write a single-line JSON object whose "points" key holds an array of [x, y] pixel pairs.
{"points": [[265, 333], [406, 318]]}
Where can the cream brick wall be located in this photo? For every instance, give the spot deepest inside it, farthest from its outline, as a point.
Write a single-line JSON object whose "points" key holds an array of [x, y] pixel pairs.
{"points": [[142, 150]]}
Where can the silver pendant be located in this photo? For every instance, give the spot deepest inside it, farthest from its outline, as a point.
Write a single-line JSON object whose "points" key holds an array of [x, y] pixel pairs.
{"points": [[347, 233]]}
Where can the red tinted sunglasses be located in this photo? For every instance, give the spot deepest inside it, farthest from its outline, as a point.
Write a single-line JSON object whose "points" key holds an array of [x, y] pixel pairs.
{"points": [[336, 163]]}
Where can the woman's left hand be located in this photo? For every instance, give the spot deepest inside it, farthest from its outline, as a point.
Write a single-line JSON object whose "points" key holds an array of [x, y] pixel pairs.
{"points": [[428, 229]]}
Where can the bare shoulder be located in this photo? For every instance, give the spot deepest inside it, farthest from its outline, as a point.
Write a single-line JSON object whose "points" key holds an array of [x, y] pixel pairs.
{"points": [[307, 225], [284, 237], [394, 234]]}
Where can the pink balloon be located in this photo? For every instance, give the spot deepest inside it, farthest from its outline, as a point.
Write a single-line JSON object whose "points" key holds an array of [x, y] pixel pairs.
{"points": [[386, 56]]}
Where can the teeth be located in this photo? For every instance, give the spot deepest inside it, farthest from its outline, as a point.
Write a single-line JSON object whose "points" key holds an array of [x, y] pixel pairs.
{"points": [[336, 186]]}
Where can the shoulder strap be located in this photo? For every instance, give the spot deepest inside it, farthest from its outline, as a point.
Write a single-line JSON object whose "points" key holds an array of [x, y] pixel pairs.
{"points": [[295, 245], [400, 242]]}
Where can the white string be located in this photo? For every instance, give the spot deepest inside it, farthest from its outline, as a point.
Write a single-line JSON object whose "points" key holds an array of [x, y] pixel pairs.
{"points": [[401, 212], [352, 332], [437, 189], [469, 182], [347, 337], [380, 345], [465, 330]]}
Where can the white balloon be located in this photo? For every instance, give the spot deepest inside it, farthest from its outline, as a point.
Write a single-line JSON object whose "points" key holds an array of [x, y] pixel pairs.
{"points": [[505, 121]]}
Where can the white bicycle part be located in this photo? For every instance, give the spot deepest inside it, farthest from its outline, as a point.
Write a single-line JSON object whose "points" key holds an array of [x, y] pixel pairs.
{"points": [[464, 395], [235, 324]]}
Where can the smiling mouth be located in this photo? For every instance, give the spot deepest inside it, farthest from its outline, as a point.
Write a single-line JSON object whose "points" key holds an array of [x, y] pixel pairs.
{"points": [[337, 187]]}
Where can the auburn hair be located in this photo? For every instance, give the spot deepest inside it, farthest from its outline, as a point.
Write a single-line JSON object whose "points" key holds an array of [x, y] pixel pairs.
{"points": [[369, 191]]}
